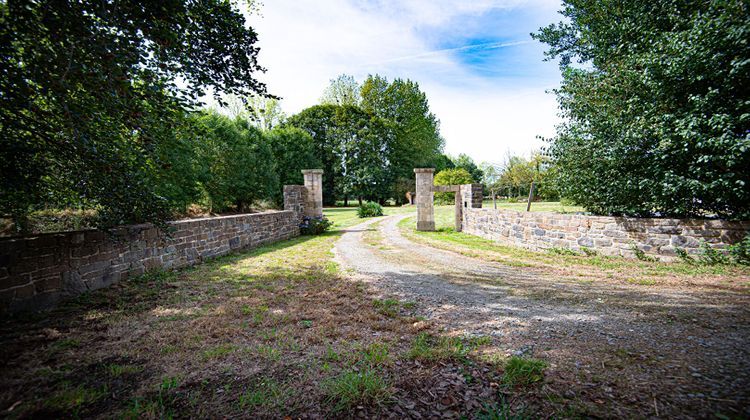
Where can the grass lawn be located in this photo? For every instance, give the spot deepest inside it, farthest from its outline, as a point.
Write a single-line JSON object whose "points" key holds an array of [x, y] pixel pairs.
{"points": [[551, 206], [270, 332]]}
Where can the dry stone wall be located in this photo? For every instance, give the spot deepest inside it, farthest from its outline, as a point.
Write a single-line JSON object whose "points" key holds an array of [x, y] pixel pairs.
{"points": [[38, 271], [607, 235]]}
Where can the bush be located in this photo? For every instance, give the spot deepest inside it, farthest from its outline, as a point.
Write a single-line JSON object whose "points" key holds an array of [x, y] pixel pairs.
{"points": [[369, 209], [314, 225], [740, 252]]}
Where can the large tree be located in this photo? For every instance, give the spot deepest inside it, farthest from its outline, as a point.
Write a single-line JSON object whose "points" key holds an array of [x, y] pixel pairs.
{"points": [[405, 107], [343, 90], [657, 108], [353, 147], [90, 90]]}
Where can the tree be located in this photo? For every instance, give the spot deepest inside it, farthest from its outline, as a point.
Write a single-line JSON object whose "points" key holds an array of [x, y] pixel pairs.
{"points": [[442, 161], [343, 90], [353, 147], [456, 176], [405, 108], [239, 163], [89, 93], [293, 150], [658, 117], [518, 173], [261, 111], [464, 161]]}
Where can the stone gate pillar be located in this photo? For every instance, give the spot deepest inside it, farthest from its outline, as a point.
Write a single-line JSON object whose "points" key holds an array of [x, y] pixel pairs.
{"points": [[425, 210], [314, 198]]}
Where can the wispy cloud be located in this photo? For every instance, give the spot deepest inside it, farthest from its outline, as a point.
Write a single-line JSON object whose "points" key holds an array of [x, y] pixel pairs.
{"points": [[482, 73], [465, 48]]}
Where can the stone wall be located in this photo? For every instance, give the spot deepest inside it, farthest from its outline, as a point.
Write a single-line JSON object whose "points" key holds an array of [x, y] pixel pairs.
{"points": [[38, 271], [608, 235]]}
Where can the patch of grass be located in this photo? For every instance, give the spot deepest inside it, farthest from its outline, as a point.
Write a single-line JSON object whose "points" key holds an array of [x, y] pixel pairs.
{"points": [[390, 307], [561, 251], [387, 307], [72, 398], [218, 351], [353, 388], [641, 281], [65, 344], [116, 370], [523, 371], [427, 347], [268, 352], [267, 393], [499, 411], [375, 354]]}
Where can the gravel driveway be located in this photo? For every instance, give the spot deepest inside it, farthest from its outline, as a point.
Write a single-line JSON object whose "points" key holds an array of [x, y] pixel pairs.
{"points": [[619, 350]]}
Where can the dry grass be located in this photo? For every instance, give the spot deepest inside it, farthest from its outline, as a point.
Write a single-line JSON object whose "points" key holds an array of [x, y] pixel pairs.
{"points": [[271, 332]]}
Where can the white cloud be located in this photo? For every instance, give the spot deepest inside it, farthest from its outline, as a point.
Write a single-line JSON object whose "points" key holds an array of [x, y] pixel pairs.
{"points": [[305, 43]]}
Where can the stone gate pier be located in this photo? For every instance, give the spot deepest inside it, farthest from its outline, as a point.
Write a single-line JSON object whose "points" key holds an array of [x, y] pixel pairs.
{"points": [[467, 196]]}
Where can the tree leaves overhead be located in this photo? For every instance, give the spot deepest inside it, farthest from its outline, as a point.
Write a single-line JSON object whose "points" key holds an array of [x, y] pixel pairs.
{"points": [[658, 114], [90, 89]]}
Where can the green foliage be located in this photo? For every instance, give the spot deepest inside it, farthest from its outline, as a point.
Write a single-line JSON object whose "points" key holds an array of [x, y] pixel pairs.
{"points": [[90, 106], [314, 225], [353, 388], [523, 371], [369, 209], [404, 107], [457, 176], [740, 252], [465, 162], [293, 150], [658, 119], [353, 147], [518, 173], [640, 254], [239, 164], [711, 256], [343, 90]]}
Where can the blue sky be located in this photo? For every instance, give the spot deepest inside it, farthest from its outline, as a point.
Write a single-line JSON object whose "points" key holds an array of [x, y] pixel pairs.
{"points": [[483, 74]]}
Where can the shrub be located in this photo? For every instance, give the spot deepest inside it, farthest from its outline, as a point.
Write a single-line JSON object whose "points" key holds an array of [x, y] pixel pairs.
{"points": [[314, 225], [710, 256], [369, 209], [640, 254], [740, 252]]}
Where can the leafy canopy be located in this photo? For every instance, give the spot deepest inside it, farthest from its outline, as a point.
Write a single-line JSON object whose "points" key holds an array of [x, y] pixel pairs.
{"points": [[658, 115], [90, 99]]}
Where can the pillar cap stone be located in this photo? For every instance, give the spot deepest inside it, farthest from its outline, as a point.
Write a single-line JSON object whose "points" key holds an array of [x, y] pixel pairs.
{"points": [[420, 170], [312, 171]]}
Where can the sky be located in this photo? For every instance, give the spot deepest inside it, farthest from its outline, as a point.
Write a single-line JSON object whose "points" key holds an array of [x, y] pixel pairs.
{"points": [[484, 76]]}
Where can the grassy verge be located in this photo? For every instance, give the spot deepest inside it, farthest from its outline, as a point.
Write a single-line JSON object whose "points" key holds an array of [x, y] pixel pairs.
{"points": [[580, 267]]}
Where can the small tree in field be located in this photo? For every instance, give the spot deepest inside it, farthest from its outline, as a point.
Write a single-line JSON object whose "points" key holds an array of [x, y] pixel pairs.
{"points": [[457, 176]]}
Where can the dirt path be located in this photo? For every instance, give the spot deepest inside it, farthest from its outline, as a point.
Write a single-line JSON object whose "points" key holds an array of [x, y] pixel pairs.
{"points": [[614, 349]]}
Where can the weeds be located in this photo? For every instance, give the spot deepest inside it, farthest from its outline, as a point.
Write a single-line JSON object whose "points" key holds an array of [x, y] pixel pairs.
{"points": [[429, 348], [641, 254], [523, 371], [561, 251], [353, 388], [218, 351], [267, 394]]}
